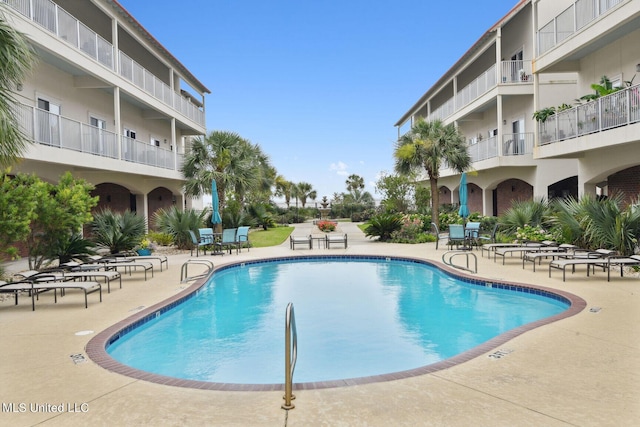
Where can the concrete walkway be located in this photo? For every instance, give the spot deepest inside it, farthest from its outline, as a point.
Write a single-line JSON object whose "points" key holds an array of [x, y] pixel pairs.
{"points": [[584, 370]]}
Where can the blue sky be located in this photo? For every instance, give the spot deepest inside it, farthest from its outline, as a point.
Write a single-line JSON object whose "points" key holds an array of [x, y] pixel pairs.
{"points": [[317, 84]]}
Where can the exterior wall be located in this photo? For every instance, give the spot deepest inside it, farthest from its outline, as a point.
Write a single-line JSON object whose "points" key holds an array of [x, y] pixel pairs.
{"points": [[510, 191], [474, 198], [112, 196], [626, 182]]}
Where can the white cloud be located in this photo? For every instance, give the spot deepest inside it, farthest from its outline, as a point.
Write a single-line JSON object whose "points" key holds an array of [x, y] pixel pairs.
{"points": [[339, 168]]}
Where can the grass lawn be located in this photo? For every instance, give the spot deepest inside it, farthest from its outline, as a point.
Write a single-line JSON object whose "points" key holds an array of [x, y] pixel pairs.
{"points": [[270, 237]]}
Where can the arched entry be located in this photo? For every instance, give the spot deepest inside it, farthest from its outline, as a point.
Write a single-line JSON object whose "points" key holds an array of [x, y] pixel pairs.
{"points": [[563, 189], [158, 198], [508, 191], [114, 197], [626, 182]]}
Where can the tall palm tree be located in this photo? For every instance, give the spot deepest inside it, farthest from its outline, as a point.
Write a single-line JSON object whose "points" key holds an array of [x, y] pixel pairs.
{"points": [[305, 191], [428, 146], [354, 182], [233, 162], [283, 189], [17, 59]]}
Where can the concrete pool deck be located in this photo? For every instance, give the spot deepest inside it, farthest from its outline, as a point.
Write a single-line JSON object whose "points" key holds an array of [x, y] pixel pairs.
{"points": [[583, 370]]}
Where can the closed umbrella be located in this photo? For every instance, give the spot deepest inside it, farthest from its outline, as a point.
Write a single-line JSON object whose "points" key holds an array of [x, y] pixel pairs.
{"points": [[464, 210], [215, 204]]}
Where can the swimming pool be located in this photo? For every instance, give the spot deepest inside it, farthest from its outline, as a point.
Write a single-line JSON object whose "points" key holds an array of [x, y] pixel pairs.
{"points": [[357, 317]]}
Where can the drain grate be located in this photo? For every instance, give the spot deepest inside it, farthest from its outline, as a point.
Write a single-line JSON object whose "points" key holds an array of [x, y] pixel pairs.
{"points": [[500, 353], [138, 308], [77, 358], [595, 309]]}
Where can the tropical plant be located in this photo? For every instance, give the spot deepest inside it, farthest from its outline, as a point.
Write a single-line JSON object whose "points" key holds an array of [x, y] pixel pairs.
{"points": [[543, 114], [429, 146], [261, 216], [383, 226], [237, 166], [178, 223], [72, 247], [397, 192], [534, 213], [604, 87], [283, 189], [162, 239], [17, 59], [117, 231], [608, 226], [304, 191]]}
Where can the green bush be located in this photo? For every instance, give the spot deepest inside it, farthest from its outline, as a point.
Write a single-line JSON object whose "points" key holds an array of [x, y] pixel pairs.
{"points": [[162, 239], [177, 223], [383, 226], [117, 231]]}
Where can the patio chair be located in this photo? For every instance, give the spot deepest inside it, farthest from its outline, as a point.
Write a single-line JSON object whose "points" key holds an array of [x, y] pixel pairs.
{"points": [[335, 239], [490, 238], [196, 244], [300, 240], [228, 240], [242, 237], [437, 233], [456, 236], [472, 233]]}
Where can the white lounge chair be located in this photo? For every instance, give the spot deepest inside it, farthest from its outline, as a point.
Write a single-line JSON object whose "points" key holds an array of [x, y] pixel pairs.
{"points": [[46, 283], [591, 259]]}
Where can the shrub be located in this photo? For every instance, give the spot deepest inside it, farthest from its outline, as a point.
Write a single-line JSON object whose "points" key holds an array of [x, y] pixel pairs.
{"points": [[162, 239], [117, 231], [177, 223], [327, 226], [383, 226]]}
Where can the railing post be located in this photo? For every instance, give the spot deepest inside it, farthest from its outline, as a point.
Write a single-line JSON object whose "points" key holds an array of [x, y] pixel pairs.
{"points": [[290, 356]]}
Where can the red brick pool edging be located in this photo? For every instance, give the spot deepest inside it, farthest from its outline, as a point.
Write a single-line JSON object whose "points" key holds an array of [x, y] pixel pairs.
{"points": [[96, 347]]}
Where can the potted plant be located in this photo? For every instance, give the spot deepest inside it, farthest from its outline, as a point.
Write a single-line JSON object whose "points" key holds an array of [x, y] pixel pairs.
{"points": [[145, 247], [523, 75]]}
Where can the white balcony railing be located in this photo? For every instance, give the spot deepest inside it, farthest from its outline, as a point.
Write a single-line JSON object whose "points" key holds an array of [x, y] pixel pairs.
{"points": [[512, 145], [518, 71], [65, 26], [572, 20], [53, 130], [617, 109], [478, 87]]}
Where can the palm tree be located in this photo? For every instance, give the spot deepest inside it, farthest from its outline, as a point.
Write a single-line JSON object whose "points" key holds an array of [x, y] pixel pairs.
{"points": [[17, 60], [233, 162], [428, 146], [354, 182], [305, 191], [283, 189]]}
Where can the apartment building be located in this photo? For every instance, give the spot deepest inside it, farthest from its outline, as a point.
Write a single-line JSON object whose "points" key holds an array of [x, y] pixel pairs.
{"points": [[541, 54], [106, 102]]}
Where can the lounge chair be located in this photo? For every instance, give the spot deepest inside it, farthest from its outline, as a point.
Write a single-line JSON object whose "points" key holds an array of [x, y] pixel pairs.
{"points": [[335, 239], [457, 236], [622, 262], [97, 263], [300, 240], [591, 259], [67, 271], [242, 237], [521, 250], [228, 240], [44, 283], [162, 259], [562, 251]]}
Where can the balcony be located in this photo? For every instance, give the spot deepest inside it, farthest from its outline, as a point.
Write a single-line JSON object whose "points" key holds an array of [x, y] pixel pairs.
{"points": [[64, 26], [620, 108], [512, 72], [571, 21], [53, 130], [512, 145]]}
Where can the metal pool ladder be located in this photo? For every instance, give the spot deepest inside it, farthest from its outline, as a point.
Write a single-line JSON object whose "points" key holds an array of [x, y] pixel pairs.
{"points": [[448, 256], [290, 355]]}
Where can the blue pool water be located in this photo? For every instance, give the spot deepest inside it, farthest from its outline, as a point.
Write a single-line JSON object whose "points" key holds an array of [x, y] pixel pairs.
{"points": [[355, 317]]}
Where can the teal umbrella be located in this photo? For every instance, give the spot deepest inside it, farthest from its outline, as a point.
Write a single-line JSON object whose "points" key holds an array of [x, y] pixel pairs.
{"points": [[464, 210], [215, 204]]}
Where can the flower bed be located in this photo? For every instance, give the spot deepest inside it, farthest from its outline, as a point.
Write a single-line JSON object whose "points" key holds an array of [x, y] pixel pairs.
{"points": [[327, 226]]}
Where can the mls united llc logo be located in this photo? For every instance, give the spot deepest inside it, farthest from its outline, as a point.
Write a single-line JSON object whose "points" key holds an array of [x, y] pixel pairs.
{"points": [[44, 407]]}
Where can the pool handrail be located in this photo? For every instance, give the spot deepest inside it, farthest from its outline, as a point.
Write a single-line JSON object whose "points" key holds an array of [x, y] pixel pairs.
{"points": [[290, 355], [456, 252]]}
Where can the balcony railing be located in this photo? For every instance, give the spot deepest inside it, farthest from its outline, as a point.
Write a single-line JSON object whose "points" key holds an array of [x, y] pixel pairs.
{"points": [[617, 109], [59, 22], [572, 20], [512, 145], [53, 130]]}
